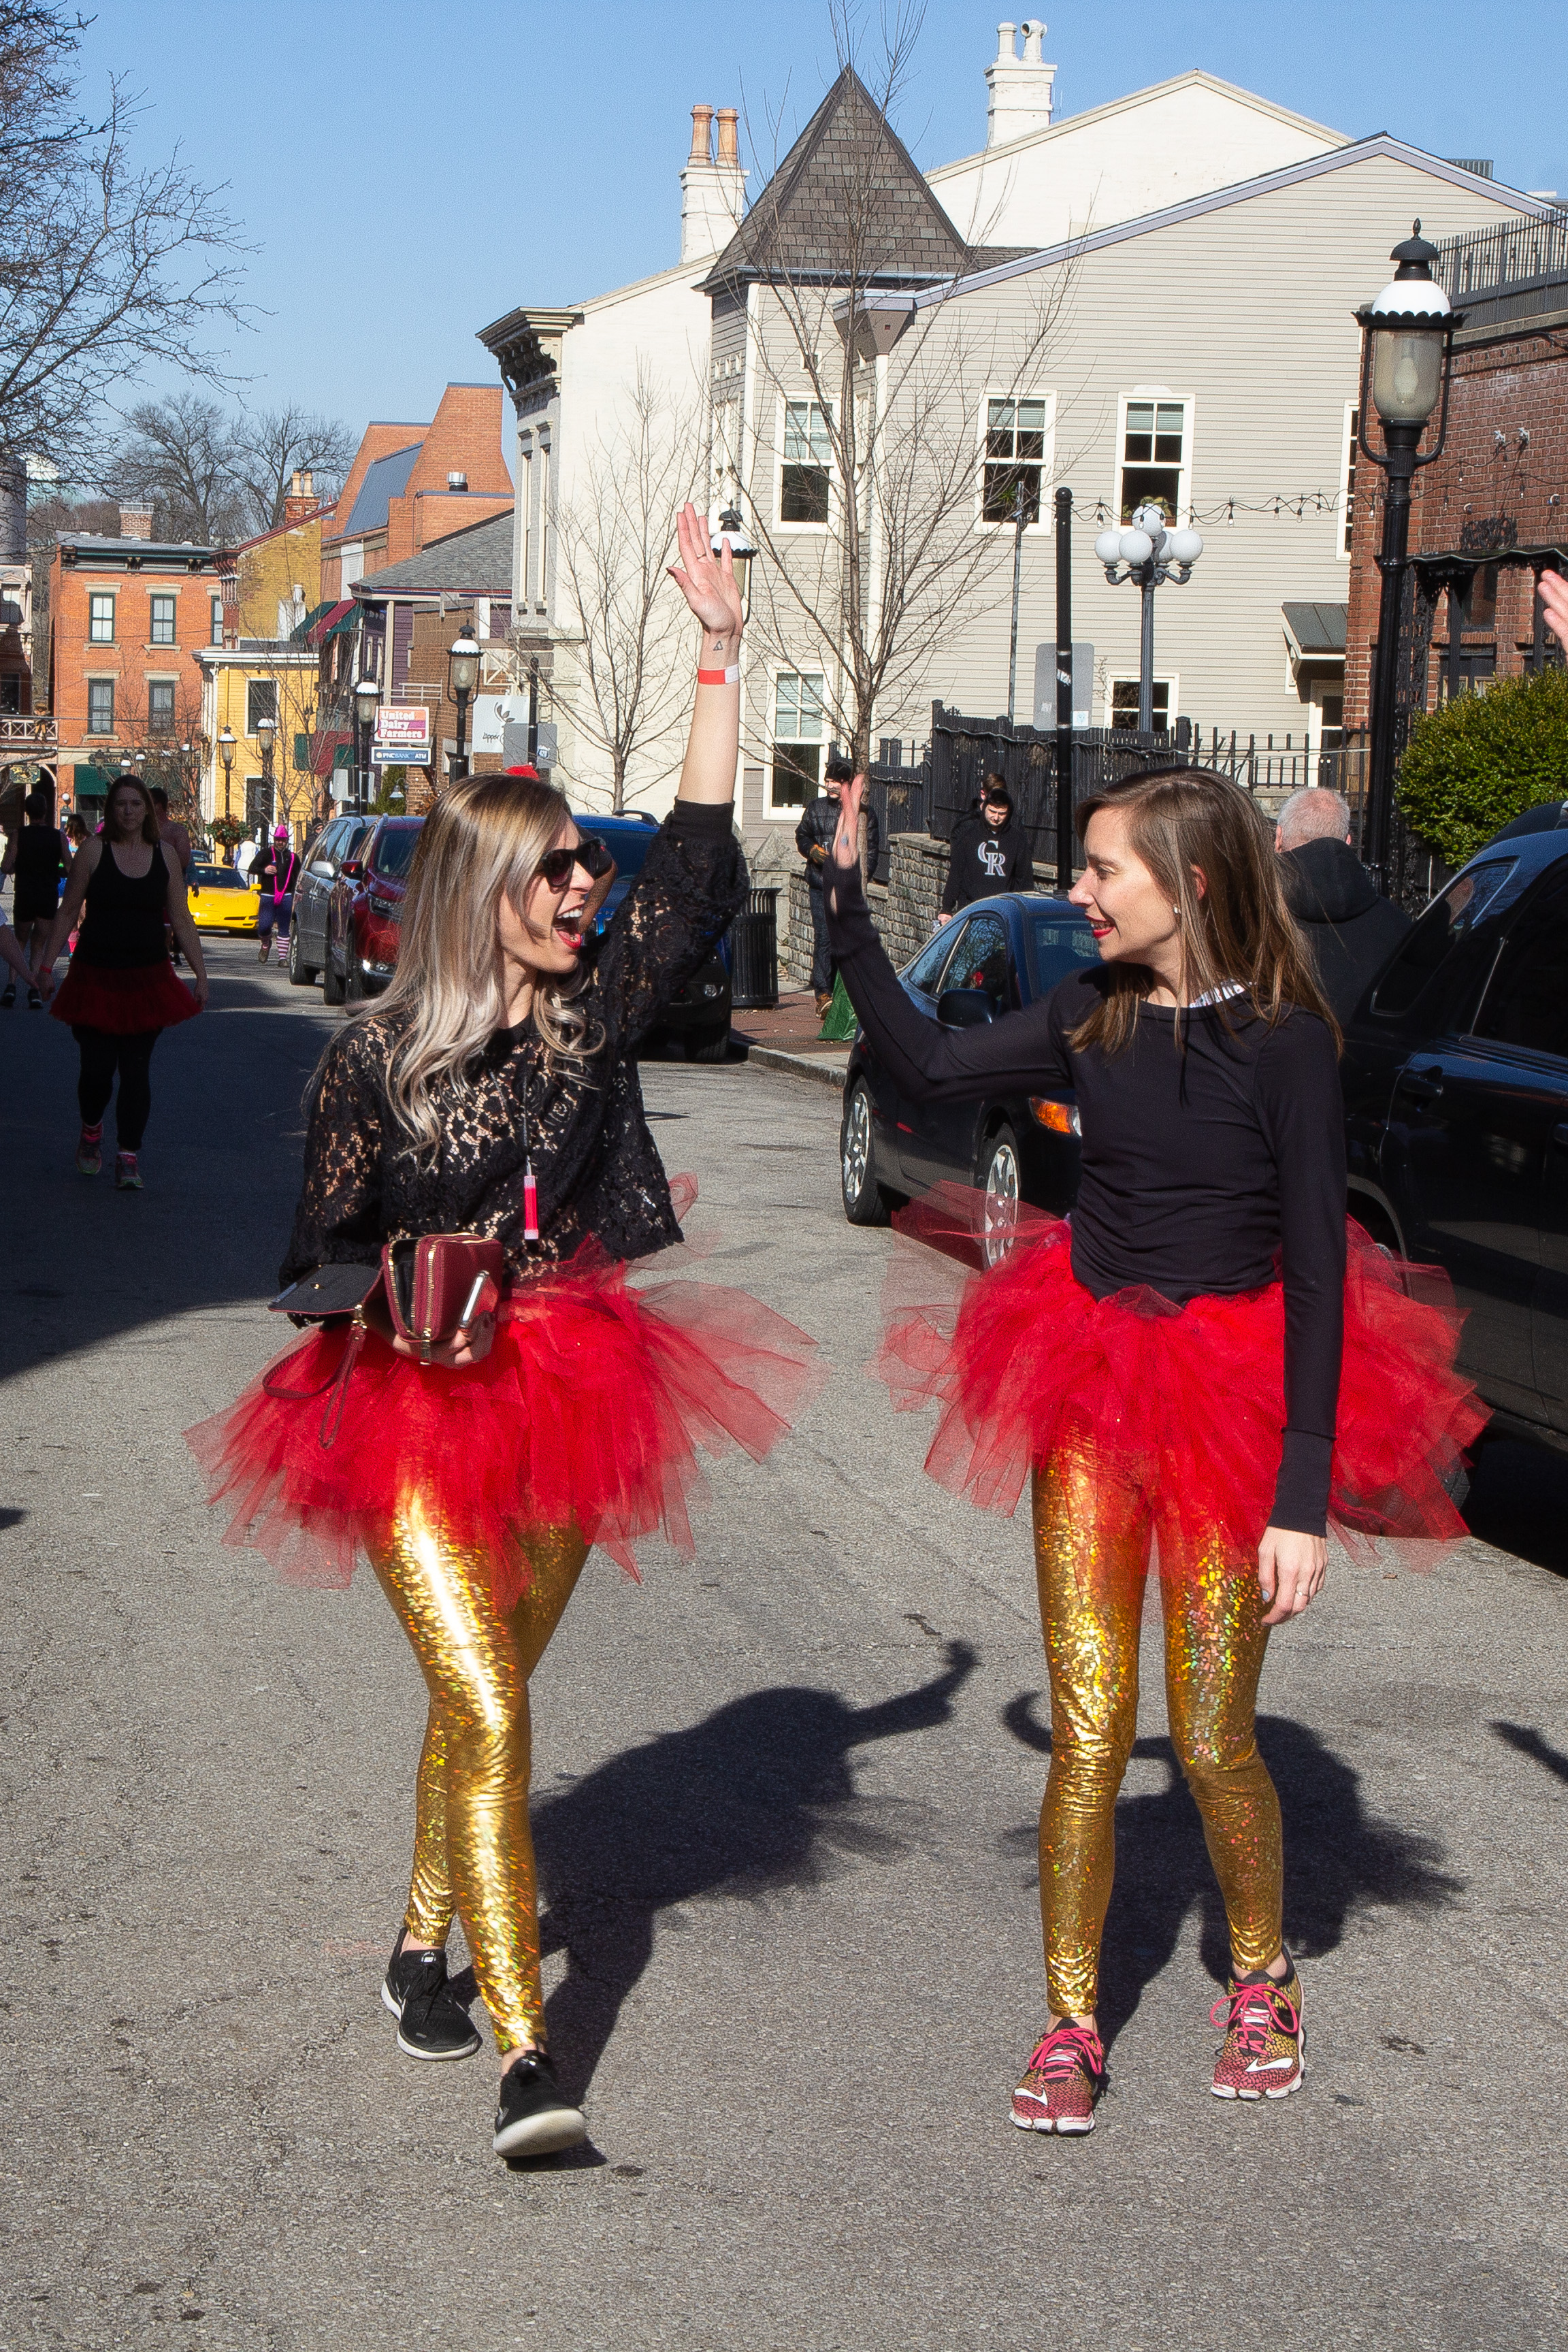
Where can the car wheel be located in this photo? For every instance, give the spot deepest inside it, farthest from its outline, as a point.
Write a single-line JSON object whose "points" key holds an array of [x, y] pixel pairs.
{"points": [[333, 987], [866, 1203], [354, 990], [709, 1045], [300, 971], [1000, 1185]]}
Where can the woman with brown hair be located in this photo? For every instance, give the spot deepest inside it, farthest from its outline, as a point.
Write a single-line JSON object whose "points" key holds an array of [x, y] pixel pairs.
{"points": [[121, 992], [1191, 1365], [493, 1093]]}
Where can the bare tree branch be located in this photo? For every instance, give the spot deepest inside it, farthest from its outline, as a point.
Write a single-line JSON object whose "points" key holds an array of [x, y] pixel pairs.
{"points": [[273, 445]]}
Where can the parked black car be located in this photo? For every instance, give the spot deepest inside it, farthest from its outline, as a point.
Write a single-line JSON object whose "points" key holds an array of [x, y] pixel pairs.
{"points": [[319, 868], [1456, 1081], [699, 1013], [1000, 953]]}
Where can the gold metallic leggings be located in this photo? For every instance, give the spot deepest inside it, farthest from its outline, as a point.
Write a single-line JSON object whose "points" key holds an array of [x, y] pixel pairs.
{"points": [[472, 1850], [1091, 1552]]}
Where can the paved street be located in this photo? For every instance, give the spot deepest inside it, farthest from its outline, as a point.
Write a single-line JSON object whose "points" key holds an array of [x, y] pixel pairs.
{"points": [[785, 1804]]}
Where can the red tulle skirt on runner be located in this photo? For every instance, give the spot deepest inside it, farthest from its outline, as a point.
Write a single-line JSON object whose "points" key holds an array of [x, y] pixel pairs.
{"points": [[1186, 1402], [125, 1002], [590, 1407]]}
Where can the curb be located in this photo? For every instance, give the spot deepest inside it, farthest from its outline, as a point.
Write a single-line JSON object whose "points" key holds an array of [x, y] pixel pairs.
{"points": [[826, 1069]]}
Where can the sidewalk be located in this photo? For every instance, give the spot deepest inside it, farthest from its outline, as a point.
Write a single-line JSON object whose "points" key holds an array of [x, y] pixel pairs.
{"points": [[787, 1038]]}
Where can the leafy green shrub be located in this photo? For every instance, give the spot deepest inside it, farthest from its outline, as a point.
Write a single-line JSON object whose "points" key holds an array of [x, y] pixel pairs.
{"points": [[1483, 758]]}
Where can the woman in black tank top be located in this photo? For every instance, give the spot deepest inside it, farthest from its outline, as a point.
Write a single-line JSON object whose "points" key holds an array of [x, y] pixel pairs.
{"points": [[121, 990], [37, 859]]}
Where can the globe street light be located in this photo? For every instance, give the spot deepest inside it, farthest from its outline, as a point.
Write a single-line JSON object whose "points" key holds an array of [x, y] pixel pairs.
{"points": [[1151, 555], [463, 675], [1407, 341], [225, 744], [266, 729], [367, 702]]}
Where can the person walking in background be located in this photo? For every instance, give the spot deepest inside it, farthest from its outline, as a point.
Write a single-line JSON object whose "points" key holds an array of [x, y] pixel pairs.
{"points": [[121, 992], [989, 851], [1352, 931], [813, 838], [170, 830], [1209, 1360], [37, 862]]}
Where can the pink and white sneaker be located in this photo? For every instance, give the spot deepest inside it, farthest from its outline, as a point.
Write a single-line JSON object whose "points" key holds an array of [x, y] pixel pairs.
{"points": [[1264, 2055], [1065, 2076]]}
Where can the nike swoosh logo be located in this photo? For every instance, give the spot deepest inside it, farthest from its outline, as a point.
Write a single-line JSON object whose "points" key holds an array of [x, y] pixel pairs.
{"points": [[1268, 2066]]}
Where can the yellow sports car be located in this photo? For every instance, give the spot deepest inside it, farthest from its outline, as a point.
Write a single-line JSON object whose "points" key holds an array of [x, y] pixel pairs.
{"points": [[221, 901]]}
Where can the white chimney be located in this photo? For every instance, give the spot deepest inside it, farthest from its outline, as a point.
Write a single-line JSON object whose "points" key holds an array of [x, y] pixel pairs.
{"points": [[1019, 88], [713, 192]]}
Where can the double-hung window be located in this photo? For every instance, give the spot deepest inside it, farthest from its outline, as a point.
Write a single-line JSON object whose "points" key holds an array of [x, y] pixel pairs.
{"points": [[101, 705], [100, 620], [1015, 460], [260, 702], [1124, 703], [808, 461], [797, 739], [160, 706], [1154, 455], [216, 625], [162, 619]]}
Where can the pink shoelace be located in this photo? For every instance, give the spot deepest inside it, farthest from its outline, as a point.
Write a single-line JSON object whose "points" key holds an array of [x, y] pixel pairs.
{"points": [[1250, 2011], [1065, 2047]]}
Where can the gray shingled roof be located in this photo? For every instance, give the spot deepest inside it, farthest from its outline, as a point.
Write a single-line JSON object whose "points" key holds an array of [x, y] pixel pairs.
{"points": [[475, 561], [849, 206]]}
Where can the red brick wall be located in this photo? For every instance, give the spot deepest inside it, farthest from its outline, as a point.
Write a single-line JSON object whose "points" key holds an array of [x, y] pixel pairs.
{"points": [[1509, 387], [73, 657]]}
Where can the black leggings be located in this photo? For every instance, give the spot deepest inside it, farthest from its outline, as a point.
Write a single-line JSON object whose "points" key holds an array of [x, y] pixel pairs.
{"points": [[99, 1054]]}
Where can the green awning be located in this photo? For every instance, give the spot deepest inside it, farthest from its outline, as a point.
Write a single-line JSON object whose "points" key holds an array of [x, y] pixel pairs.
{"points": [[93, 784]]}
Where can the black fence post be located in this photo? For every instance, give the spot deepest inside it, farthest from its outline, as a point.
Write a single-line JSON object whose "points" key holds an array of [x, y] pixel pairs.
{"points": [[1064, 692]]}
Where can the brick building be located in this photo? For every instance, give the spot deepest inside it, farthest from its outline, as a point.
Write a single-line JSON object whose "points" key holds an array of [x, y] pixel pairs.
{"points": [[1489, 516], [411, 484]]}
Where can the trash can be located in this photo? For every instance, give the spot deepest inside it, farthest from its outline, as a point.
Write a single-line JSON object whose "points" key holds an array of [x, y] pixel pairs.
{"points": [[754, 952]]}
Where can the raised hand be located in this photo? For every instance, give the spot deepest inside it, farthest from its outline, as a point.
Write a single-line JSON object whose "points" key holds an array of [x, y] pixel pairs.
{"points": [[708, 581], [1552, 589]]}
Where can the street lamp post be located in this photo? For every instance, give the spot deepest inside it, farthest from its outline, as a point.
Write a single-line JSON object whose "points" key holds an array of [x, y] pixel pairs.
{"points": [[367, 702], [225, 744], [463, 676], [1408, 340], [266, 733], [1151, 555], [732, 531]]}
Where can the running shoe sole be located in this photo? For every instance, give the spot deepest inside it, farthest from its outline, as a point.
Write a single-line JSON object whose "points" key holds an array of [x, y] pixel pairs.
{"points": [[542, 2134], [1228, 2090], [1066, 2126], [430, 2057]]}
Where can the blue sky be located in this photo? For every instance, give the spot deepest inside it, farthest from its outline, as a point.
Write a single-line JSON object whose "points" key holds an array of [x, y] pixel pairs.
{"points": [[410, 170]]}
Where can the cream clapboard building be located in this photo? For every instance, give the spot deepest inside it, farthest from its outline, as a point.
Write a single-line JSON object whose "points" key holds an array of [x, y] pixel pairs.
{"points": [[1198, 251]]}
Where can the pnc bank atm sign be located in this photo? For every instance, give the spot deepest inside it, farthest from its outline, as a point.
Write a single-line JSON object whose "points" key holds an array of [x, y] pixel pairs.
{"points": [[401, 736]]}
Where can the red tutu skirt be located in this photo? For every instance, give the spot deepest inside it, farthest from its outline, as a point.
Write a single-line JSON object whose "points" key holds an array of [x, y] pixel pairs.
{"points": [[1183, 1403], [123, 1001], [590, 1407]]}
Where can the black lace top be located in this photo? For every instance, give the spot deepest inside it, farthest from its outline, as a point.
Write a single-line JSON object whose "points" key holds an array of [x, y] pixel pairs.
{"points": [[594, 1162]]}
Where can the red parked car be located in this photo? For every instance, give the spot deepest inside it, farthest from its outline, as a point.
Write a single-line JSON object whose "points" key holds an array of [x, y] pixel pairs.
{"points": [[364, 913]]}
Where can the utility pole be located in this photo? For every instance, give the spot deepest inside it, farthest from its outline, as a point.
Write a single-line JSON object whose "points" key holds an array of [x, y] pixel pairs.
{"points": [[1019, 519], [1064, 693], [533, 712]]}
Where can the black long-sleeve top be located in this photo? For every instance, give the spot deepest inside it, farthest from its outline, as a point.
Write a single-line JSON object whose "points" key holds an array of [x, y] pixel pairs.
{"points": [[595, 1162], [1211, 1162]]}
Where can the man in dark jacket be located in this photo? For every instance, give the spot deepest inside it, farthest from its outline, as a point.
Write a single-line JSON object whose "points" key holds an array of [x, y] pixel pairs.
{"points": [[989, 851], [1354, 931], [813, 839]]}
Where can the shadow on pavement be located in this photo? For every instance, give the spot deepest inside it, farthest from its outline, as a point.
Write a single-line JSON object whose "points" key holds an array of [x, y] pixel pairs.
{"points": [[1519, 1501], [758, 1796], [1338, 1859], [1529, 1742]]}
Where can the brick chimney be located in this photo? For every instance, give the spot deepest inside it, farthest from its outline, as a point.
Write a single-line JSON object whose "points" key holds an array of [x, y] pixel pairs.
{"points": [[713, 192], [1019, 88], [300, 502], [136, 522]]}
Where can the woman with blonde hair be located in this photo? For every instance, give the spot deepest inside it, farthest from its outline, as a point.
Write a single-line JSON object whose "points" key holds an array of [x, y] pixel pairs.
{"points": [[1192, 1365], [492, 1093]]}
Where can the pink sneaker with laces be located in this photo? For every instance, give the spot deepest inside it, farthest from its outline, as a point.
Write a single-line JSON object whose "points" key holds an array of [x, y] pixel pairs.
{"points": [[1264, 2055], [1065, 2076]]}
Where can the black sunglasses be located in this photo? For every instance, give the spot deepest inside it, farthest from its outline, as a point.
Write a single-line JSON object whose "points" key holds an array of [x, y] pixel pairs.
{"points": [[554, 868]]}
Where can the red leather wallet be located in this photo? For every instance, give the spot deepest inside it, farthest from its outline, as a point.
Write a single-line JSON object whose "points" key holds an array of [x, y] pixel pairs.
{"points": [[434, 1283]]}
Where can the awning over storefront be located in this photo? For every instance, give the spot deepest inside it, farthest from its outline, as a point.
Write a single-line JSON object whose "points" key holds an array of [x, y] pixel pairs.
{"points": [[91, 784], [332, 620], [332, 748]]}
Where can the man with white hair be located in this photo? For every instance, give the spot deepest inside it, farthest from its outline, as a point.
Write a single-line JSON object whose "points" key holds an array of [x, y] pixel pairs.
{"points": [[1354, 931]]}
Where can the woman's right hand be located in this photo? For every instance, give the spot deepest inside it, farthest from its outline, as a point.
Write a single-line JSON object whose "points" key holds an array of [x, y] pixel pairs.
{"points": [[470, 1345]]}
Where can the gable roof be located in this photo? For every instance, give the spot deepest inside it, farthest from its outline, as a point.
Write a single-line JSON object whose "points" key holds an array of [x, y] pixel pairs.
{"points": [[1067, 125], [385, 480], [848, 182], [1338, 159], [474, 561]]}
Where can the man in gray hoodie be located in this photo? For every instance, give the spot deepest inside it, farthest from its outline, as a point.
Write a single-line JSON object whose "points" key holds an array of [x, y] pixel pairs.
{"points": [[1353, 932]]}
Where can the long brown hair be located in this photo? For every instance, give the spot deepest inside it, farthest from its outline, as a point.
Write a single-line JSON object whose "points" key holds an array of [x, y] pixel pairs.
{"points": [[482, 840], [149, 832], [1237, 929]]}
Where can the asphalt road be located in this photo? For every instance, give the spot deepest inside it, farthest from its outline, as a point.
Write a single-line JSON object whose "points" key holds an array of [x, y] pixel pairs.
{"points": [[786, 1833]]}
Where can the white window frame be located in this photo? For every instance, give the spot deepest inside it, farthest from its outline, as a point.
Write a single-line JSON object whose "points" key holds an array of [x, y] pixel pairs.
{"points": [[1156, 394], [1347, 459], [1170, 679], [802, 530], [111, 595], [792, 810], [1047, 459]]}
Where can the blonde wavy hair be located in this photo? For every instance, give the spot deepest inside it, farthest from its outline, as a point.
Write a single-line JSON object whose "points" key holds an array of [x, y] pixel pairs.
{"points": [[482, 841]]}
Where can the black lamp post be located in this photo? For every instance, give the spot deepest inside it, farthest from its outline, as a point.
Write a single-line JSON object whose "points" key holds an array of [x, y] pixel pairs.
{"points": [[463, 676], [1151, 555], [367, 702], [1408, 338], [225, 744], [266, 732]]}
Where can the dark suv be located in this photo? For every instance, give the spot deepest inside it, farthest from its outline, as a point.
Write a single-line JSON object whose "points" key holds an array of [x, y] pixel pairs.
{"points": [[1456, 1082], [364, 912], [324, 862]]}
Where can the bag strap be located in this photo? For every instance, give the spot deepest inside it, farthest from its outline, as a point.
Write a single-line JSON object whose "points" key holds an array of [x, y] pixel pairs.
{"points": [[335, 1389]]}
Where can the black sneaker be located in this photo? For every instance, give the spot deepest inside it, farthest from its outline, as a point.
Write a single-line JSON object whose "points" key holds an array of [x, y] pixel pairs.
{"points": [[431, 2021], [533, 2119], [9, 998], [34, 1001]]}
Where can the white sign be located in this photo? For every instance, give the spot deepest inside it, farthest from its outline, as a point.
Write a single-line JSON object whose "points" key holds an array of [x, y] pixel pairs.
{"points": [[402, 733], [487, 718]]}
